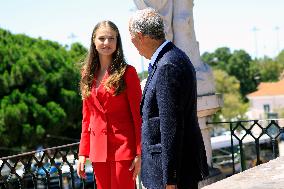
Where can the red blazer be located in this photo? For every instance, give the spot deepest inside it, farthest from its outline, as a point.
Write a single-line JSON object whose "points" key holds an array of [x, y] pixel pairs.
{"points": [[111, 125]]}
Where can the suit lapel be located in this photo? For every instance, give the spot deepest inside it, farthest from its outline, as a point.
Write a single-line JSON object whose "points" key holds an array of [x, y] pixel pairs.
{"points": [[165, 49], [101, 95], [94, 98]]}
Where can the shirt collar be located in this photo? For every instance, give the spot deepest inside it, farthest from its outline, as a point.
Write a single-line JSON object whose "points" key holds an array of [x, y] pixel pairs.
{"points": [[155, 55]]}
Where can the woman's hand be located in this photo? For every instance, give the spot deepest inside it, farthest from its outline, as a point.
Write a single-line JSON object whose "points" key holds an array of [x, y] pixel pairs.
{"points": [[81, 167], [136, 164]]}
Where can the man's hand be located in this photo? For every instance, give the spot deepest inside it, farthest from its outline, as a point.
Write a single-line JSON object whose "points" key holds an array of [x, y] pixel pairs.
{"points": [[136, 164], [81, 167]]}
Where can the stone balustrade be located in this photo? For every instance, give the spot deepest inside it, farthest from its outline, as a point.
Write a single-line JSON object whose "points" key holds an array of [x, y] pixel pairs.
{"points": [[269, 175]]}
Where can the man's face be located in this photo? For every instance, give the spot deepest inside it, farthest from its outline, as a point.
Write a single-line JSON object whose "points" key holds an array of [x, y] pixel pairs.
{"points": [[136, 39], [136, 42]]}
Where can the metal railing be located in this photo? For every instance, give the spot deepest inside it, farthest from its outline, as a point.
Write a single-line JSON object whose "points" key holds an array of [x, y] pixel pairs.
{"points": [[51, 168], [56, 167], [48, 168], [253, 141]]}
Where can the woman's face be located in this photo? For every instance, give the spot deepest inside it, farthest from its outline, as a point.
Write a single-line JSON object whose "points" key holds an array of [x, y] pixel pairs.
{"points": [[105, 40]]}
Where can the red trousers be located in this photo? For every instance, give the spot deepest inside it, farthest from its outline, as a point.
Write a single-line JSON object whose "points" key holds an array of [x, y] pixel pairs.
{"points": [[114, 175]]}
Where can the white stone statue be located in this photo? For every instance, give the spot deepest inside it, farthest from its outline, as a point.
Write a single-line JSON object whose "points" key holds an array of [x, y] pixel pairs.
{"points": [[179, 28]]}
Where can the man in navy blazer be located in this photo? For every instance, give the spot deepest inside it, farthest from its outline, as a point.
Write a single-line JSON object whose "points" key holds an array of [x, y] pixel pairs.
{"points": [[173, 152]]}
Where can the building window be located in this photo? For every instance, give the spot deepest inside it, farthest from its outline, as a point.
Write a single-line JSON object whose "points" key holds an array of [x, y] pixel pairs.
{"points": [[266, 108]]}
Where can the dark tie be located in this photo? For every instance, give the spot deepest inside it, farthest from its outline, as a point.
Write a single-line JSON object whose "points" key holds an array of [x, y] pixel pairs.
{"points": [[150, 68]]}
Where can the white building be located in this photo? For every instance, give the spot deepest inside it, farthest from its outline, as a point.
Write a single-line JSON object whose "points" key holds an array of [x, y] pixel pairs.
{"points": [[267, 99]]}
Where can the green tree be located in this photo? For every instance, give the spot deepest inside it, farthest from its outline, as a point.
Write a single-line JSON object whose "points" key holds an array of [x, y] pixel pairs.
{"points": [[219, 59], [238, 64], [241, 66], [229, 87], [39, 92], [143, 75], [280, 57], [270, 70]]}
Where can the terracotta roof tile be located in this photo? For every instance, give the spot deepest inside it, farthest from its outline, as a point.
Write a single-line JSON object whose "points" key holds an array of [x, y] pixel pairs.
{"points": [[269, 89]]}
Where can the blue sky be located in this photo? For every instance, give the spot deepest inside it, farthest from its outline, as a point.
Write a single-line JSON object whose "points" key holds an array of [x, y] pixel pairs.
{"points": [[217, 23]]}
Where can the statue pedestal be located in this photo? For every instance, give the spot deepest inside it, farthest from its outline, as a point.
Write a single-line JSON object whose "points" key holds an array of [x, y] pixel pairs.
{"points": [[207, 105]]}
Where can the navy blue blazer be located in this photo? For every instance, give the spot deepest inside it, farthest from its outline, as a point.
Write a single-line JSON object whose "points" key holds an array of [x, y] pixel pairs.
{"points": [[173, 150]]}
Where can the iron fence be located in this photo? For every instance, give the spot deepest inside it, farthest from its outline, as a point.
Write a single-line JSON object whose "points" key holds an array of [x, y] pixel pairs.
{"points": [[51, 168], [253, 142], [48, 168]]}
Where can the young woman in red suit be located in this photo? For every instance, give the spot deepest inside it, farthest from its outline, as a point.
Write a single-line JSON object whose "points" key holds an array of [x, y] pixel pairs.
{"points": [[111, 125]]}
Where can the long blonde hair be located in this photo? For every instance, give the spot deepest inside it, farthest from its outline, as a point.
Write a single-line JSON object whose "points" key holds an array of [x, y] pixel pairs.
{"points": [[92, 63]]}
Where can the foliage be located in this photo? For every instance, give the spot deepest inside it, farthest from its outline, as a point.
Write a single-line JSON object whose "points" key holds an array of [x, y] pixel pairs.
{"points": [[270, 70], [143, 75], [39, 90], [240, 65], [249, 72], [229, 87], [237, 75], [219, 59], [280, 57], [280, 60]]}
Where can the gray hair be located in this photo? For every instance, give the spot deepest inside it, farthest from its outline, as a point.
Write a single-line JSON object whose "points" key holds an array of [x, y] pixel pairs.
{"points": [[148, 22]]}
